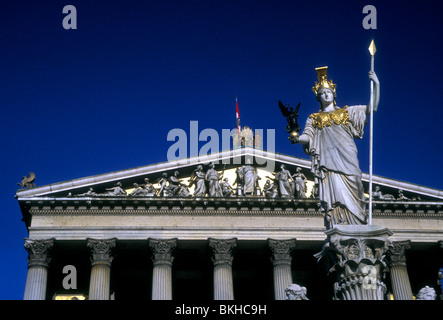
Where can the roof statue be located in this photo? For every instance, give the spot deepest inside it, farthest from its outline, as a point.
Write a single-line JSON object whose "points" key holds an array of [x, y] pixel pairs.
{"points": [[299, 184], [213, 179], [27, 182], [328, 137], [116, 190], [246, 138], [377, 194], [291, 116]]}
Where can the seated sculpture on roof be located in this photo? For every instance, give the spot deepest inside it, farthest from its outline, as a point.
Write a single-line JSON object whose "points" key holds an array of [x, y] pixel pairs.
{"points": [[227, 190]]}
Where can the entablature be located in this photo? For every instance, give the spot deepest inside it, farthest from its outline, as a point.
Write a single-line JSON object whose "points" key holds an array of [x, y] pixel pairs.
{"points": [[206, 205]]}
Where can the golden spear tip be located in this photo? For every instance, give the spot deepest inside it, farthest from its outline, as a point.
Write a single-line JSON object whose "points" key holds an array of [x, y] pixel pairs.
{"points": [[372, 48]]}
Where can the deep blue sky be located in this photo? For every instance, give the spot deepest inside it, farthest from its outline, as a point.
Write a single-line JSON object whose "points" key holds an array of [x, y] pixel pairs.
{"points": [[104, 97]]}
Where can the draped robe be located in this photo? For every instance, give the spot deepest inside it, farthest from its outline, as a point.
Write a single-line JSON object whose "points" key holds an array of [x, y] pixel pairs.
{"points": [[213, 183], [335, 165], [248, 176]]}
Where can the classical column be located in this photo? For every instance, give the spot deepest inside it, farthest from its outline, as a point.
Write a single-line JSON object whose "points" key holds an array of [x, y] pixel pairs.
{"points": [[162, 258], [222, 259], [440, 274], [354, 257], [101, 259], [38, 263], [396, 260], [281, 259]]}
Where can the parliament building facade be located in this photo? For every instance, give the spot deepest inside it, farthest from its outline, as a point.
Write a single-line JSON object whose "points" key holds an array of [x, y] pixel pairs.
{"points": [[214, 227]]}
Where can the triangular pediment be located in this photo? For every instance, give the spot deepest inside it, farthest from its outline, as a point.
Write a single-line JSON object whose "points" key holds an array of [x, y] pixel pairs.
{"points": [[226, 162]]}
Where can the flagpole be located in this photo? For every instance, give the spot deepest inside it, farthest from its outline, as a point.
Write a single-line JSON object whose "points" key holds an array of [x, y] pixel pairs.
{"points": [[371, 130], [237, 116]]}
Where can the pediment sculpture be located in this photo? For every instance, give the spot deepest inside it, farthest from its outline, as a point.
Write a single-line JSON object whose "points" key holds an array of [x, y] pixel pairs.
{"points": [[214, 184]]}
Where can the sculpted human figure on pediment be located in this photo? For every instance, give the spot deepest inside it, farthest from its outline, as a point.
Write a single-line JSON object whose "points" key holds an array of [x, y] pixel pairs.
{"points": [[149, 188], [401, 196], [176, 187], [283, 181], [270, 190], [248, 176], [378, 195], [117, 190], [163, 182], [142, 191], [227, 190], [138, 191], [89, 193], [213, 179], [212, 183], [198, 179], [299, 184], [238, 182]]}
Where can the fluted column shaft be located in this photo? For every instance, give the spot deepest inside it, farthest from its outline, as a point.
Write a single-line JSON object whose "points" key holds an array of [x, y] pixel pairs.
{"points": [[222, 258], [401, 286], [162, 272], [440, 274], [281, 258], [38, 263], [101, 259]]}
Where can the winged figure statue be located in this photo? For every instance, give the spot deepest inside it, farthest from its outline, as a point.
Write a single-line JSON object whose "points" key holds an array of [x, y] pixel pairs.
{"points": [[291, 116]]}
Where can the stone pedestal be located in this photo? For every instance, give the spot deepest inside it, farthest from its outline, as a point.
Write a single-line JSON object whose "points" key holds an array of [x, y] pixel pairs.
{"points": [[354, 257], [222, 259], [101, 259], [38, 263], [281, 258], [396, 259], [162, 258]]}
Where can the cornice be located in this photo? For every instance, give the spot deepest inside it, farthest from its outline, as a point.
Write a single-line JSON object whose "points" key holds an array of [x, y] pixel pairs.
{"points": [[259, 204]]}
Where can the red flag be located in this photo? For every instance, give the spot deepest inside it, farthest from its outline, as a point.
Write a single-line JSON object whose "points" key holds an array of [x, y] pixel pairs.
{"points": [[237, 116]]}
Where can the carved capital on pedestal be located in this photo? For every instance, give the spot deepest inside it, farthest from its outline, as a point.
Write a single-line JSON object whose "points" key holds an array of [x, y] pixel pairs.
{"points": [[38, 252], [101, 250], [222, 250], [354, 256], [162, 250], [396, 254], [281, 251]]}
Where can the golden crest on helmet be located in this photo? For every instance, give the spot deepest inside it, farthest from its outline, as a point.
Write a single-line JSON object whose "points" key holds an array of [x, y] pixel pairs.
{"points": [[323, 82]]}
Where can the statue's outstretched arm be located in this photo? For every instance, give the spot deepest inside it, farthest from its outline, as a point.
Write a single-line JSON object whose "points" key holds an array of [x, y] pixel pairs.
{"points": [[303, 139], [376, 93]]}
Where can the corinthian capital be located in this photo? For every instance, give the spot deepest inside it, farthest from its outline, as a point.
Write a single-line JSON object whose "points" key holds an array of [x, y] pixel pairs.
{"points": [[162, 250], [101, 250], [397, 253], [38, 251], [281, 250], [222, 250]]}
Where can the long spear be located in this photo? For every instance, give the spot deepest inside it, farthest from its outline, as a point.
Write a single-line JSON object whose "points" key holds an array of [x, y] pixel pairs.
{"points": [[372, 50]]}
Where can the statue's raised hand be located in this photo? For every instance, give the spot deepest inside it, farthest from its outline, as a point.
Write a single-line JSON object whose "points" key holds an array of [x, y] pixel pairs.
{"points": [[373, 77]]}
